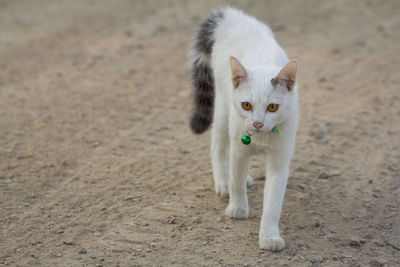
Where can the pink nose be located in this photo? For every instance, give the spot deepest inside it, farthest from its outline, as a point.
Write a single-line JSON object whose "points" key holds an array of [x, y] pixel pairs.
{"points": [[258, 125]]}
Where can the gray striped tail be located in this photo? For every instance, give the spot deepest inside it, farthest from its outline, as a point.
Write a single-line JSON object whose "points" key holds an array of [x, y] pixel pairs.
{"points": [[202, 75]]}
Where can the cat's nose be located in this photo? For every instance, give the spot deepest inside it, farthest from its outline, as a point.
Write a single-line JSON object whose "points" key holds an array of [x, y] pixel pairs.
{"points": [[258, 125]]}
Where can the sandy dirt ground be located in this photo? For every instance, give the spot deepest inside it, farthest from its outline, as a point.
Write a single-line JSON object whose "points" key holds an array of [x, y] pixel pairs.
{"points": [[98, 166]]}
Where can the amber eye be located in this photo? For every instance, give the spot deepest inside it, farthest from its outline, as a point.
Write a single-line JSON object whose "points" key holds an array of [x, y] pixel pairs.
{"points": [[246, 106], [272, 107]]}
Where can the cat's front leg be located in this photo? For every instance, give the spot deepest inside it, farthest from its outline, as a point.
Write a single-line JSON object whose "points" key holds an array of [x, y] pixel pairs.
{"points": [[238, 167], [274, 191]]}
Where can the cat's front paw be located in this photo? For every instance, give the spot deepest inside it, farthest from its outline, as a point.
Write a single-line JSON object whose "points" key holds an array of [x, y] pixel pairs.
{"points": [[272, 243], [236, 212], [222, 190]]}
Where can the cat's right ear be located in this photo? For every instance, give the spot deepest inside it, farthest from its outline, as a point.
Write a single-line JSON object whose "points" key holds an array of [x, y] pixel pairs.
{"points": [[239, 73]]}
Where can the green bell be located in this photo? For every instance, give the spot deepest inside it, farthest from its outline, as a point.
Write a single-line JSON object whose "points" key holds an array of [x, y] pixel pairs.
{"points": [[246, 139]]}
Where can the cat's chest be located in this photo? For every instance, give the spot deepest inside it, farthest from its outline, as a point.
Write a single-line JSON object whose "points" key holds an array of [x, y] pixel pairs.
{"points": [[263, 141]]}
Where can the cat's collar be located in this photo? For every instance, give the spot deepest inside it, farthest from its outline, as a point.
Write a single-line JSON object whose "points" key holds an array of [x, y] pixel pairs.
{"points": [[246, 139]]}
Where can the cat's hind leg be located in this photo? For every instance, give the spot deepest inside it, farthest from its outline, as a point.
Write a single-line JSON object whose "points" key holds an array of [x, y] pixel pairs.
{"points": [[220, 151]]}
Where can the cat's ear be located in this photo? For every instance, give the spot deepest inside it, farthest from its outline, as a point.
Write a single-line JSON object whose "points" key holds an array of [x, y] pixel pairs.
{"points": [[239, 73], [287, 75]]}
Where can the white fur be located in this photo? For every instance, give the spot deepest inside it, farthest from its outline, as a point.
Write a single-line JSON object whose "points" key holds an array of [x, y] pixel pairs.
{"points": [[254, 45]]}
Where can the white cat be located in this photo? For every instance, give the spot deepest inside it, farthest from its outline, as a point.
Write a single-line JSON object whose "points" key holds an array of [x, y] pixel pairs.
{"points": [[246, 85]]}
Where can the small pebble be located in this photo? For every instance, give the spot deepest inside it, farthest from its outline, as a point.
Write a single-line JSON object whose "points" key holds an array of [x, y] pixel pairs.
{"points": [[378, 262], [320, 135], [317, 224], [82, 251], [354, 241], [379, 243], [303, 186], [301, 226], [327, 174], [393, 245], [68, 241]]}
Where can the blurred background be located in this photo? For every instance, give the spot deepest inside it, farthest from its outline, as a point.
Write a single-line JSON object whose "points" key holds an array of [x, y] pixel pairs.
{"points": [[98, 166]]}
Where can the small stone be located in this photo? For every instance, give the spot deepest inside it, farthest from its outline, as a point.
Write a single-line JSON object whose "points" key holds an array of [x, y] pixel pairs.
{"points": [[60, 232], [354, 241], [68, 241], [172, 220], [313, 260], [318, 224], [82, 251], [219, 219], [301, 226], [300, 243], [153, 244], [101, 259], [34, 242], [393, 245], [379, 243], [97, 234], [26, 204], [327, 174], [378, 262], [320, 135], [59, 255], [303, 186]]}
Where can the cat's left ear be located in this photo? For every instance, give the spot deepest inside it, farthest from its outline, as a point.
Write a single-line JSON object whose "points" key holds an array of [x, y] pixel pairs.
{"points": [[287, 75]]}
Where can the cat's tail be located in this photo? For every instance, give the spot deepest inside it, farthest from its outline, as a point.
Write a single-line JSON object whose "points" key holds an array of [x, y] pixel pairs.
{"points": [[202, 74]]}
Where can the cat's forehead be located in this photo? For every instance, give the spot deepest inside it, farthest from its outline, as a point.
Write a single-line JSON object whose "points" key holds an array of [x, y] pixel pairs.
{"points": [[261, 85]]}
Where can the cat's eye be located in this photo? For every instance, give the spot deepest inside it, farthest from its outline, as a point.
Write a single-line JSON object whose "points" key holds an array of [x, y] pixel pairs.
{"points": [[272, 107], [246, 106]]}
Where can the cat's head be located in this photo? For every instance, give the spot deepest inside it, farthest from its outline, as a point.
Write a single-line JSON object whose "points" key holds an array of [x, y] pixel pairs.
{"points": [[262, 96]]}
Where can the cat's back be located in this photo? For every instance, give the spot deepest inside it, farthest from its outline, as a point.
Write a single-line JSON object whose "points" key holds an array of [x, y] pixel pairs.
{"points": [[235, 22], [246, 38]]}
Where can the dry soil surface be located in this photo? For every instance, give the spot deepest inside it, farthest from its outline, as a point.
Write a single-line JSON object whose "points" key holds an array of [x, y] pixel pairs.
{"points": [[98, 166]]}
